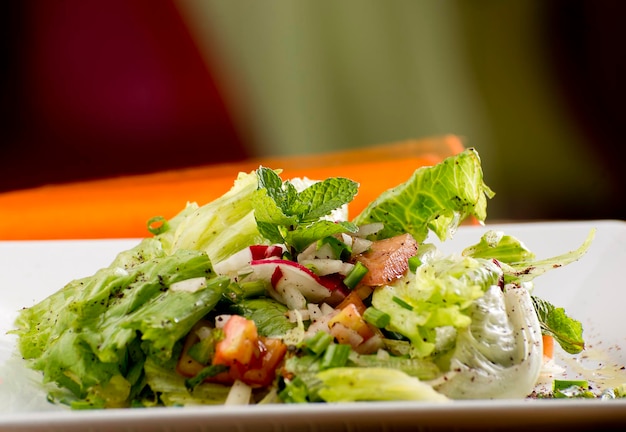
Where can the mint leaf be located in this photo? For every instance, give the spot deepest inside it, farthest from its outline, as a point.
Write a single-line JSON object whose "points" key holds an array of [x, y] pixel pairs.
{"points": [[268, 210], [567, 331], [303, 236], [320, 199], [284, 215], [283, 194]]}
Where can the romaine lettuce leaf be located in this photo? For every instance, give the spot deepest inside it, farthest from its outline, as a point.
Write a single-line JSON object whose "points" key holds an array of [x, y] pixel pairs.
{"points": [[221, 227], [436, 198], [501, 353], [81, 336], [518, 263], [350, 384], [438, 295]]}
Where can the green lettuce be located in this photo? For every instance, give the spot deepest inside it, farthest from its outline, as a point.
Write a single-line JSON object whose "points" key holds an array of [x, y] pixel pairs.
{"points": [[519, 265], [221, 227], [348, 384], [436, 198], [94, 335], [437, 296]]}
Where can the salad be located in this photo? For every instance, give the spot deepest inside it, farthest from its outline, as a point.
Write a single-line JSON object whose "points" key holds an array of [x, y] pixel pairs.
{"points": [[272, 294]]}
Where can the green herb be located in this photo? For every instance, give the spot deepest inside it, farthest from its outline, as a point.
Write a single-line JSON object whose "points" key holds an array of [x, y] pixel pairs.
{"points": [[287, 216], [567, 331]]}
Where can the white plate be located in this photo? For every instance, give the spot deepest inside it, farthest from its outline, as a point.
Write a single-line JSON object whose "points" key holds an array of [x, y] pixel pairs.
{"points": [[592, 290]]}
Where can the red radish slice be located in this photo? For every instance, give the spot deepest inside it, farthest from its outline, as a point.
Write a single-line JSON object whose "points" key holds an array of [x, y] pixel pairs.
{"points": [[258, 252], [239, 262], [293, 282]]}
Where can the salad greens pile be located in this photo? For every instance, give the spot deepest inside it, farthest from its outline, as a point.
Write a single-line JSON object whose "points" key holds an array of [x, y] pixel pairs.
{"points": [[270, 294]]}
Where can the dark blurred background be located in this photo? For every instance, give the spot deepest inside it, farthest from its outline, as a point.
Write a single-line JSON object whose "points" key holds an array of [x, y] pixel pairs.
{"points": [[92, 89]]}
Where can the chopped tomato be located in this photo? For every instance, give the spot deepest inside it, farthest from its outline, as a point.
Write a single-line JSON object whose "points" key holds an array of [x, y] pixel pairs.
{"points": [[350, 317], [273, 352], [239, 343], [355, 299], [250, 358], [548, 346]]}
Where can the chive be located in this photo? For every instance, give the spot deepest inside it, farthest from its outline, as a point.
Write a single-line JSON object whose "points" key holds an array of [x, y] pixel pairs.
{"points": [[253, 288], [158, 225], [336, 355], [356, 274], [203, 351], [376, 317], [209, 371], [318, 343], [571, 389], [414, 263], [563, 384], [402, 303], [295, 391], [341, 250]]}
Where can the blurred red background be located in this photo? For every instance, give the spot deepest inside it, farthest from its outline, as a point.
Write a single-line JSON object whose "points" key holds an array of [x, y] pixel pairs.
{"points": [[95, 89]]}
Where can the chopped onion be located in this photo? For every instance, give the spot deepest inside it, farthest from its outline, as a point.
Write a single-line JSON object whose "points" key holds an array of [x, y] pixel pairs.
{"points": [[360, 245], [326, 309], [221, 320], [239, 394], [369, 229], [203, 332], [314, 311], [323, 266]]}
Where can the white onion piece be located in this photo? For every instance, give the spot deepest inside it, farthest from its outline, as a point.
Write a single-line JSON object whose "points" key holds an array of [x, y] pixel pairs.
{"points": [[220, 320], [189, 285], [314, 311], [232, 265], [369, 229], [327, 309], [346, 335], [501, 354], [239, 394], [322, 267], [360, 245], [203, 332], [308, 253]]}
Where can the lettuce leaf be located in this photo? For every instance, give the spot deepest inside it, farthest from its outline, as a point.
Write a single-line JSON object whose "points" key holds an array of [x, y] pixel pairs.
{"points": [[438, 295], [436, 198]]}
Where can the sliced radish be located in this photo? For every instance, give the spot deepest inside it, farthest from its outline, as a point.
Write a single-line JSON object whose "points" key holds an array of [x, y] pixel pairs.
{"points": [[264, 251], [294, 284], [239, 262]]}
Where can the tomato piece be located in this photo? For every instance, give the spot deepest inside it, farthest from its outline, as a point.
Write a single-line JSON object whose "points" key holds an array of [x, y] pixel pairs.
{"points": [[187, 365], [250, 358], [239, 343], [350, 317], [272, 353], [355, 299]]}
